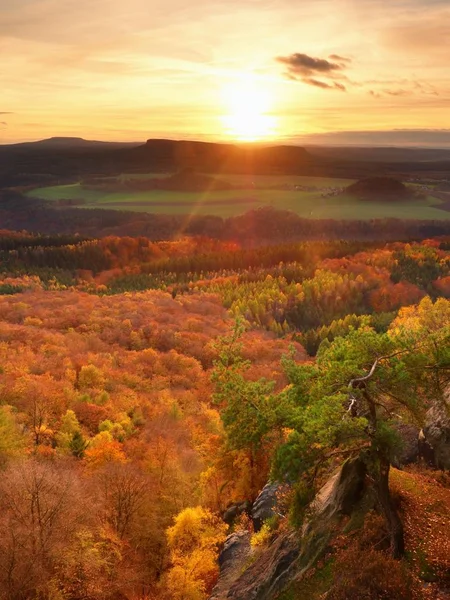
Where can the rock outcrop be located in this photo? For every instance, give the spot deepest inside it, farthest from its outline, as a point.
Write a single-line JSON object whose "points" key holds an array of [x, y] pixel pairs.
{"points": [[426, 452], [269, 574], [236, 510], [232, 560], [437, 432], [292, 554], [264, 507], [408, 453]]}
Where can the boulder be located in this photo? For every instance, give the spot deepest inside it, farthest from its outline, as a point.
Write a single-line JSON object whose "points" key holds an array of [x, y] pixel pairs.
{"points": [[265, 504], [437, 431]]}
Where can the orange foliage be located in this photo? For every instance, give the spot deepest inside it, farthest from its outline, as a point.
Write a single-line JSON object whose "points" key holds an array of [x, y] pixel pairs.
{"points": [[394, 295], [443, 286], [103, 452]]}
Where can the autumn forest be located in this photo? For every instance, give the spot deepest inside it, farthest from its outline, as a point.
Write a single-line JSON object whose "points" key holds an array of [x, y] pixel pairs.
{"points": [[148, 387]]}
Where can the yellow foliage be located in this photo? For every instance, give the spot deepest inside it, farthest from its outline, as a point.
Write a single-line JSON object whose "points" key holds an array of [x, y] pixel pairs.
{"points": [[195, 528], [193, 542], [32, 321], [423, 317], [262, 537], [90, 377], [104, 449]]}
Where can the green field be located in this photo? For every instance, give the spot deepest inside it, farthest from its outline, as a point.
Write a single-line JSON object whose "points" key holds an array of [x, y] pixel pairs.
{"points": [[234, 202]]}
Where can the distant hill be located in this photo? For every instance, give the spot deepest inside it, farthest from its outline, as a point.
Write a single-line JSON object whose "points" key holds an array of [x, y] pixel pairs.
{"points": [[223, 158], [376, 188], [62, 160], [68, 143]]}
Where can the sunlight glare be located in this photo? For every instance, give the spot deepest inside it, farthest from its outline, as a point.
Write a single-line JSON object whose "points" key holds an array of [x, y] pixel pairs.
{"points": [[248, 103]]}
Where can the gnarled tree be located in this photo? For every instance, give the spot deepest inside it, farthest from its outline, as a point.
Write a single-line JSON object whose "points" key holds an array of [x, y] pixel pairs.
{"points": [[349, 401]]}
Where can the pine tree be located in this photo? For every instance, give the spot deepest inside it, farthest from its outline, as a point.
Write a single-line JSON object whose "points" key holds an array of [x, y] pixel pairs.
{"points": [[78, 444]]}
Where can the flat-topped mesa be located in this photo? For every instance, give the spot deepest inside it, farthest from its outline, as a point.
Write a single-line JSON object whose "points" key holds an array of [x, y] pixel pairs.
{"points": [[224, 157]]}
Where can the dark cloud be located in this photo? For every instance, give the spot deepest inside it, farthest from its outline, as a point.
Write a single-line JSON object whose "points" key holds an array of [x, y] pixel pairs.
{"points": [[302, 64], [6, 113], [307, 69], [318, 83]]}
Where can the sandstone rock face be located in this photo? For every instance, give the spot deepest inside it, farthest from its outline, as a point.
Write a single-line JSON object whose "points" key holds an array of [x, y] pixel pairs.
{"points": [[236, 510], [341, 492], [268, 574], [232, 560], [265, 505], [437, 432], [291, 554], [426, 452], [409, 452]]}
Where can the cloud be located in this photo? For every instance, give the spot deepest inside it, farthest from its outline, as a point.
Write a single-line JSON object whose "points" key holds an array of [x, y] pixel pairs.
{"points": [[426, 88], [403, 87], [324, 85], [338, 58], [6, 113], [302, 64], [397, 92], [305, 68]]}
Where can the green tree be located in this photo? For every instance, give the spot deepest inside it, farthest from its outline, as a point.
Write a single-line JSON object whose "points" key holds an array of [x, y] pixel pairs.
{"points": [[346, 404], [248, 408], [78, 444]]}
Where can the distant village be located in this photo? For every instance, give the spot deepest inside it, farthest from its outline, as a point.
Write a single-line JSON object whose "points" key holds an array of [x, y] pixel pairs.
{"points": [[325, 192]]}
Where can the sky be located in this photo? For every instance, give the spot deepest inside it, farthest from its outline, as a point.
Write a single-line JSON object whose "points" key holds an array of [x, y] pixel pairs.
{"points": [[223, 69]]}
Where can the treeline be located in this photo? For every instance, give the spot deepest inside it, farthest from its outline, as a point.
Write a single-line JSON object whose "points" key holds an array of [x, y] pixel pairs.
{"points": [[190, 256], [198, 255], [263, 225], [13, 240]]}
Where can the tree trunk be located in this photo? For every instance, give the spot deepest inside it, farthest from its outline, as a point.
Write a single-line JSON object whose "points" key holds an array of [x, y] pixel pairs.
{"points": [[390, 512]]}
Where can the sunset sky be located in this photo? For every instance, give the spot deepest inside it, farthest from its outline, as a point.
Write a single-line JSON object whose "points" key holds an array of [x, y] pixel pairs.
{"points": [[221, 69]]}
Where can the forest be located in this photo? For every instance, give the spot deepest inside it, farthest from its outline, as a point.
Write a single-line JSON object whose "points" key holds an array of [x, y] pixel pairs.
{"points": [[149, 387]]}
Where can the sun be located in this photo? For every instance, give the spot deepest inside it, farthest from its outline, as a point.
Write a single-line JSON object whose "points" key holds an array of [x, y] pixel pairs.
{"points": [[247, 103]]}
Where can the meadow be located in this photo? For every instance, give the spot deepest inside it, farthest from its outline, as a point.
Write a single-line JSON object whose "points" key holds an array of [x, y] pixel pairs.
{"points": [[256, 192]]}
